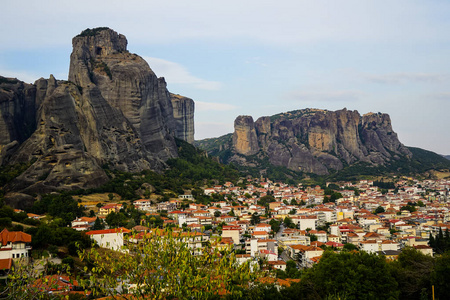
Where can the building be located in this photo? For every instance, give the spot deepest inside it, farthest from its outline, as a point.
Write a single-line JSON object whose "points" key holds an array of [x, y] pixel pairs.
{"points": [[109, 238], [144, 205], [233, 232], [83, 223], [14, 245], [109, 208]]}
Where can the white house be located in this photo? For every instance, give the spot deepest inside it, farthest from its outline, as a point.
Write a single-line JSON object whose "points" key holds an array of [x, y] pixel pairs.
{"points": [[83, 223], [109, 238], [143, 204], [14, 245]]}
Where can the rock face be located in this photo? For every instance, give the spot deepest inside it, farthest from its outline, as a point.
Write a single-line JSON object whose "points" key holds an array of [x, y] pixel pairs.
{"points": [[244, 137], [183, 113], [113, 111], [18, 113], [316, 141]]}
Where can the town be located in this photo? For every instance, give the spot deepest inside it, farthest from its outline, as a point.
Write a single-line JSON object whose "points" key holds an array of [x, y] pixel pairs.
{"points": [[273, 222]]}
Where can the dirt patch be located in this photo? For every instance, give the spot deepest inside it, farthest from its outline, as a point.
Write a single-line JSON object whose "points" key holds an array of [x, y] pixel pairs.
{"points": [[90, 201], [440, 174]]}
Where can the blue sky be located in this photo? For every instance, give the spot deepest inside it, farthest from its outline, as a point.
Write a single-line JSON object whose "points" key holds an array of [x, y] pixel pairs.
{"points": [[262, 57]]}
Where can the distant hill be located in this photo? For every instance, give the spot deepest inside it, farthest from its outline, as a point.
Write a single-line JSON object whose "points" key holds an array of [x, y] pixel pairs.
{"points": [[335, 144], [447, 156]]}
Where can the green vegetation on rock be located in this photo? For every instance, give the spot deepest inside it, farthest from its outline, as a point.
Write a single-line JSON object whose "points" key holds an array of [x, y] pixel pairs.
{"points": [[92, 32]]}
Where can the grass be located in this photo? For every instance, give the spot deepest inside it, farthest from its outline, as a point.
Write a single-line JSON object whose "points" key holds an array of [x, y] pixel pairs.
{"points": [[91, 201]]}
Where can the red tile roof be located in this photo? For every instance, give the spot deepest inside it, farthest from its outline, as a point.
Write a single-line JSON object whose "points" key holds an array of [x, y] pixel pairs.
{"points": [[106, 231], [14, 237], [5, 264]]}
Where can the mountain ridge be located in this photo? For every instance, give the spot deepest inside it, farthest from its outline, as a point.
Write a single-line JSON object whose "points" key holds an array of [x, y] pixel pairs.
{"points": [[314, 141]]}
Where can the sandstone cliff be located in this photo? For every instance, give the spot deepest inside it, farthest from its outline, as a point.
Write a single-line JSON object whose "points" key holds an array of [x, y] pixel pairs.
{"points": [[314, 141], [113, 111], [244, 137], [183, 113]]}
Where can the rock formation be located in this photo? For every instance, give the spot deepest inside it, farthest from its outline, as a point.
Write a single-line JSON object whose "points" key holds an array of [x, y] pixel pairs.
{"points": [[112, 112], [183, 113], [315, 141], [244, 136]]}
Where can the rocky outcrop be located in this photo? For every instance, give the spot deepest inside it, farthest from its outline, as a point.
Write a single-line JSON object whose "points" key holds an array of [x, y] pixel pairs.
{"points": [[112, 112], [244, 137], [18, 111], [317, 141], [101, 62], [183, 113]]}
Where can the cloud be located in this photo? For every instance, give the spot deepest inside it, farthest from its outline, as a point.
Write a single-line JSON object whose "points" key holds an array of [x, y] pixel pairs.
{"points": [[325, 96], [405, 78], [177, 74], [210, 106]]}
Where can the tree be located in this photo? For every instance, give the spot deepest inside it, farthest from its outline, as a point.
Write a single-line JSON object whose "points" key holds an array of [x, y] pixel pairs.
{"points": [[255, 219], [98, 224], [116, 219], [163, 267], [264, 201], [358, 275], [409, 208], [217, 214], [275, 225], [379, 210], [334, 196], [412, 271], [288, 222], [350, 247], [441, 276]]}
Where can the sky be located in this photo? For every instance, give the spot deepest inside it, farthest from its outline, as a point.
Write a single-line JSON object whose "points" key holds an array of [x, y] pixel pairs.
{"points": [[261, 58]]}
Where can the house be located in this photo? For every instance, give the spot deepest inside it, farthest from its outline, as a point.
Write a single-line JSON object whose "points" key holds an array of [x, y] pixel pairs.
{"points": [[260, 234], [195, 240], [305, 254], [263, 227], [14, 245], [268, 255], [167, 206], [59, 285], [427, 250], [109, 238], [370, 246], [387, 245], [144, 205], [254, 245], [83, 223], [109, 208], [390, 254], [233, 232], [242, 258], [305, 222], [277, 264]]}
